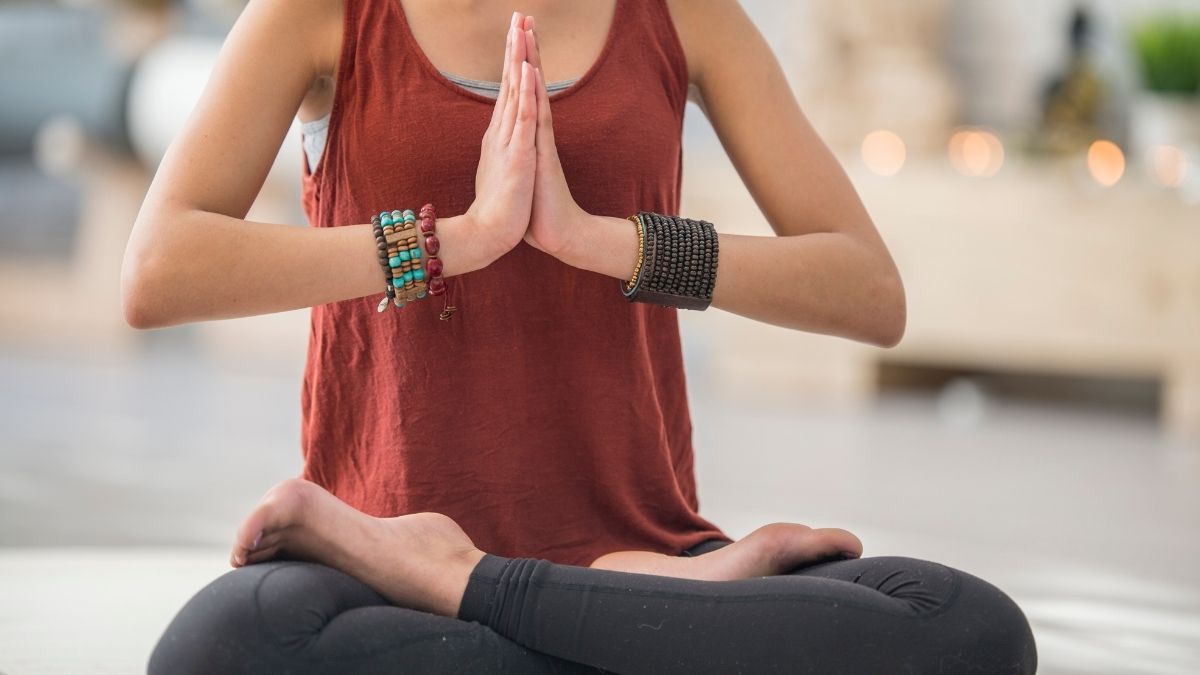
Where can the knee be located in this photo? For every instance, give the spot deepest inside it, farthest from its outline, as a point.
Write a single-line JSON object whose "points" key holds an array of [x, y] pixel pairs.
{"points": [[220, 629], [265, 617], [990, 626], [976, 626]]}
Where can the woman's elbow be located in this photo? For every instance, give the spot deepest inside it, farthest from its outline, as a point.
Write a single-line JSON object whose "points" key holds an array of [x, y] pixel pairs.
{"points": [[891, 317], [139, 286], [133, 304]]}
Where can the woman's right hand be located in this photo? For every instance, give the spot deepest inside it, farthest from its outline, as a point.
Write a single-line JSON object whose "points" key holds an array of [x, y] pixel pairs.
{"points": [[504, 180]]}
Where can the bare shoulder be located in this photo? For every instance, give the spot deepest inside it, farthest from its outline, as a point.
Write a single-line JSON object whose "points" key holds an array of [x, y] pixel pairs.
{"points": [[697, 21], [329, 28], [326, 27]]}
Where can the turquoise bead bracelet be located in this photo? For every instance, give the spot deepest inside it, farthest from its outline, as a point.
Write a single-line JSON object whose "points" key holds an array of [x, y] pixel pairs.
{"points": [[399, 258]]}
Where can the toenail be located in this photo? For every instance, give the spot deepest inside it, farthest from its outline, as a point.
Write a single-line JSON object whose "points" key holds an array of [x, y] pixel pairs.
{"points": [[257, 538]]}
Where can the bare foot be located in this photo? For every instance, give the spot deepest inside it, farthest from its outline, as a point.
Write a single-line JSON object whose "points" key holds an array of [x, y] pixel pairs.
{"points": [[771, 549], [418, 560]]}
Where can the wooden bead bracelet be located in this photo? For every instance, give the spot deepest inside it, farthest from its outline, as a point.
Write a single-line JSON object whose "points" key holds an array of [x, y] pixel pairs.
{"points": [[400, 255]]}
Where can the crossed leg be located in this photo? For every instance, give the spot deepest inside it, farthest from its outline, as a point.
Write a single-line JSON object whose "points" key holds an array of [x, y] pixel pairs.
{"points": [[307, 522], [391, 607]]}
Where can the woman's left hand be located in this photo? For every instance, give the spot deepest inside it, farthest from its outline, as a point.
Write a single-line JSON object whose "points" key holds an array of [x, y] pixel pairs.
{"points": [[555, 217]]}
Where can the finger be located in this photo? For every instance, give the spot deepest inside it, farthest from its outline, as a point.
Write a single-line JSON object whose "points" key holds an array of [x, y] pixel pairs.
{"points": [[545, 120], [526, 124], [509, 118], [505, 74], [532, 50], [502, 98], [518, 55]]}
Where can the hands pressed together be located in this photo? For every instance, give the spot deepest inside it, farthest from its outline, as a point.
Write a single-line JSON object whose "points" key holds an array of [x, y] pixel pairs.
{"points": [[520, 190]]}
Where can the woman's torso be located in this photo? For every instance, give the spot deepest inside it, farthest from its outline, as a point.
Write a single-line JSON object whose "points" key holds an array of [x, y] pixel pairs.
{"points": [[549, 416]]}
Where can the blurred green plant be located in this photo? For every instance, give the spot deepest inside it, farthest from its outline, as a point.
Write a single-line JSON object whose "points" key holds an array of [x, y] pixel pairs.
{"points": [[1168, 51]]}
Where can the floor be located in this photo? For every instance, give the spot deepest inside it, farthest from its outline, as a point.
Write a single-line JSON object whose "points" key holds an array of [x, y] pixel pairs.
{"points": [[121, 483]]}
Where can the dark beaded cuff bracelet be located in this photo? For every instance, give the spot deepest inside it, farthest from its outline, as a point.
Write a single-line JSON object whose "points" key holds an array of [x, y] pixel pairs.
{"points": [[679, 266]]}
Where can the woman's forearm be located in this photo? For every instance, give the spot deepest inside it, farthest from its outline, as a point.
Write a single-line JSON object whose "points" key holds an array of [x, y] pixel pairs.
{"points": [[200, 266], [826, 283]]}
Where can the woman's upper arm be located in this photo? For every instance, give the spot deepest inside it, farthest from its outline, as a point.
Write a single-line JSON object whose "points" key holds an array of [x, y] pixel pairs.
{"points": [[794, 178], [221, 156]]}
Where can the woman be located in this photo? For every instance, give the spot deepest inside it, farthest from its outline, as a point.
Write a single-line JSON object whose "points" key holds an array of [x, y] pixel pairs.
{"points": [[499, 479]]}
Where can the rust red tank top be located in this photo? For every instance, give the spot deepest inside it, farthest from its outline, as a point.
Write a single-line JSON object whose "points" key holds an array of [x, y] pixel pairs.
{"points": [[549, 416]]}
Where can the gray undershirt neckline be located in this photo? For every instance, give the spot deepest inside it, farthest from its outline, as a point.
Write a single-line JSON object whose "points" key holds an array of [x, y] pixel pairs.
{"points": [[313, 134]]}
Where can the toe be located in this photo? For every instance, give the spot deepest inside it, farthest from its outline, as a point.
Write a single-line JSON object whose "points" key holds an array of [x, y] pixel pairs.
{"points": [[846, 542], [802, 545], [283, 505]]}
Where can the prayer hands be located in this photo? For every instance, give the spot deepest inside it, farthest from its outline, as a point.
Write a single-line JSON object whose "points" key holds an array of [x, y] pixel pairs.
{"points": [[521, 192], [504, 180], [555, 215]]}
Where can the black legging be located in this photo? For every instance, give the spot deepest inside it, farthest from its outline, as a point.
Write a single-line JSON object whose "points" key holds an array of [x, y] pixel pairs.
{"points": [[526, 615]]}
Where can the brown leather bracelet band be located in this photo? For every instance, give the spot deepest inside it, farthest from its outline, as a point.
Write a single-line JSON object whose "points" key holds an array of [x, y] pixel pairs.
{"points": [[672, 300]]}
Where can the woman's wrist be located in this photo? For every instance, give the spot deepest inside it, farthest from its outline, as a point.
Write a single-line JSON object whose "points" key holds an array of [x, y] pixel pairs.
{"points": [[603, 244], [462, 250]]}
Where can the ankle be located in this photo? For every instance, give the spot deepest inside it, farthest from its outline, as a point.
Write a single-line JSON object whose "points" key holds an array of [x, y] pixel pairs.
{"points": [[453, 578]]}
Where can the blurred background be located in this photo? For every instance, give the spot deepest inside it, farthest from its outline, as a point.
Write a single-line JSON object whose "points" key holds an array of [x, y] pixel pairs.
{"points": [[1034, 166]]}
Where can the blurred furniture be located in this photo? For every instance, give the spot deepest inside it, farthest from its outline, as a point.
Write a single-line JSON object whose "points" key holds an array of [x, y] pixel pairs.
{"points": [[55, 61], [1036, 270], [80, 88]]}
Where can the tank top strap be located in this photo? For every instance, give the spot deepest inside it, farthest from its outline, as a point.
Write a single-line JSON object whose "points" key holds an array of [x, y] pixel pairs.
{"points": [[372, 59], [651, 36]]}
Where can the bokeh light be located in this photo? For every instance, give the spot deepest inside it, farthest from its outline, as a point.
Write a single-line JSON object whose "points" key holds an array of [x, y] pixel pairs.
{"points": [[884, 152], [976, 152], [1106, 162], [1168, 165], [58, 144]]}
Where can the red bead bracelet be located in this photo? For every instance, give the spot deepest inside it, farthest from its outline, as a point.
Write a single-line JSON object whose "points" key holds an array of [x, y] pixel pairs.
{"points": [[435, 283]]}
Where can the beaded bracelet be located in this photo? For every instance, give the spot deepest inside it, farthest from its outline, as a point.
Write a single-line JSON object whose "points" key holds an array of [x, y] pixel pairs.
{"points": [[637, 268], [395, 235], [679, 266], [399, 256], [404, 260], [382, 247], [433, 265]]}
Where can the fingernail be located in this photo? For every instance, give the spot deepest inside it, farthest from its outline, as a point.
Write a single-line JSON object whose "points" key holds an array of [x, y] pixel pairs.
{"points": [[257, 538], [849, 554]]}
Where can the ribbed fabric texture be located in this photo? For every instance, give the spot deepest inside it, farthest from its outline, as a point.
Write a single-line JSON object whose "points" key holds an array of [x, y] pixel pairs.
{"points": [[499, 596]]}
